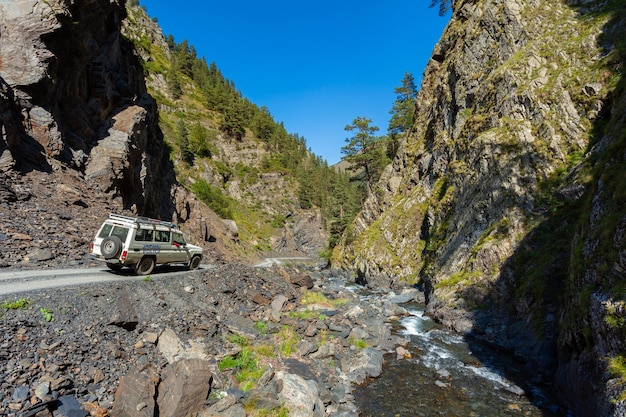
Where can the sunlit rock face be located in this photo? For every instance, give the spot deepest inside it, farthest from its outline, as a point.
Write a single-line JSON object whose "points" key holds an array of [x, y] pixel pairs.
{"points": [[74, 96], [504, 201]]}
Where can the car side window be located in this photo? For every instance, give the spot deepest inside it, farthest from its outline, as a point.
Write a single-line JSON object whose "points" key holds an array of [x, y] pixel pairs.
{"points": [[178, 238], [144, 235], [162, 236]]}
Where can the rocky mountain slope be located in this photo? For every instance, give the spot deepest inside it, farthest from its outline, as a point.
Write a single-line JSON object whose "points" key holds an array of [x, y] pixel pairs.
{"points": [[506, 201], [83, 135]]}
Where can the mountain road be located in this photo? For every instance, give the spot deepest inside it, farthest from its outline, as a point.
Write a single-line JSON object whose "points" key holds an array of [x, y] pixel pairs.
{"points": [[12, 282]]}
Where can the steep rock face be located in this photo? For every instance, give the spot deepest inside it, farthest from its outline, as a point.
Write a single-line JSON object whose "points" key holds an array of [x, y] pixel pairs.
{"points": [[74, 97], [494, 200]]}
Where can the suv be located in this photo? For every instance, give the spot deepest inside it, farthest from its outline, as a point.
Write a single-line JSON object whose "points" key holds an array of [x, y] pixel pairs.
{"points": [[141, 243]]}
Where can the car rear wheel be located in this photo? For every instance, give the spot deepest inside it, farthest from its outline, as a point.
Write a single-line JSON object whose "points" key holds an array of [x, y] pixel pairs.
{"points": [[110, 247], [145, 266], [195, 262]]}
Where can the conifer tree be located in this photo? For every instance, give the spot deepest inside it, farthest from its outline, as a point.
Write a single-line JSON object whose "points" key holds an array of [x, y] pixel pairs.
{"points": [[363, 150], [402, 113], [183, 142], [444, 5]]}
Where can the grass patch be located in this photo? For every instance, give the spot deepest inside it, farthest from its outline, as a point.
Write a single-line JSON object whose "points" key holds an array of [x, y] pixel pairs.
{"points": [[316, 297], [307, 315], [261, 327], [19, 304], [246, 365], [458, 278], [617, 369], [288, 341], [358, 343]]}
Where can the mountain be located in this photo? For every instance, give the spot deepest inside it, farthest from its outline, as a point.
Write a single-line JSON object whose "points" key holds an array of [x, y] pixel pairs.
{"points": [[102, 113], [506, 200]]}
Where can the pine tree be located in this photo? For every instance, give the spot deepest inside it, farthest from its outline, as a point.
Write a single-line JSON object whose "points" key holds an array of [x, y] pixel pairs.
{"points": [[402, 113], [183, 142], [444, 6], [363, 151]]}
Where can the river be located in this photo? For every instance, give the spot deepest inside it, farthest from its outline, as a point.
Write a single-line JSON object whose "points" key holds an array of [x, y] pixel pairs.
{"points": [[445, 377]]}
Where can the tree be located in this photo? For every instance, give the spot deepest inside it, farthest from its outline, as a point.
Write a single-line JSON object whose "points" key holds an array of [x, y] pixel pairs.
{"points": [[363, 150], [182, 137], [402, 113], [444, 6], [199, 140]]}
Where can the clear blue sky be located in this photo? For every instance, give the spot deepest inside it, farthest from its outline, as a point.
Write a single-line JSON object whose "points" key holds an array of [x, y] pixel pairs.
{"points": [[316, 65]]}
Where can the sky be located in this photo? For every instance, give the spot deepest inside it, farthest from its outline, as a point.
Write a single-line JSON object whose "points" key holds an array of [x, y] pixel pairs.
{"points": [[316, 65]]}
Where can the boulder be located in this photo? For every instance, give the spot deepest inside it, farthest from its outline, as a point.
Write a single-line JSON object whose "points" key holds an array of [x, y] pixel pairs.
{"points": [[135, 394], [300, 396], [184, 387]]}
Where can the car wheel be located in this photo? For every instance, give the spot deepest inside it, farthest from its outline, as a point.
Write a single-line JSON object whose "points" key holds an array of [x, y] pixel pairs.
{"points": [[115, 267], [145, 266], [110, 247], [195, 262]]}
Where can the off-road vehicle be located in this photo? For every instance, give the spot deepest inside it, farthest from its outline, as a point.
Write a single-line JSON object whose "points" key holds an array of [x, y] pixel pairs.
{"points": [[141, 243]]}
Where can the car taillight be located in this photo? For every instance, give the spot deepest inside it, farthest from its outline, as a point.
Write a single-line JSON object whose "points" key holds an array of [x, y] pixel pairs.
{"points": [[91, 248], [124, 254]]}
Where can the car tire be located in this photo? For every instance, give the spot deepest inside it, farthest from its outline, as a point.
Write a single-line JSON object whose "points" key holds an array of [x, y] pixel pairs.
{"points": [[110, 247], [195, 262], [115, 267], [145, 266]]}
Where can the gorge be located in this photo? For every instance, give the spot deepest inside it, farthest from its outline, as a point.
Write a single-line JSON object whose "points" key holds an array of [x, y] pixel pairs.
{"points": [[505, 203]]}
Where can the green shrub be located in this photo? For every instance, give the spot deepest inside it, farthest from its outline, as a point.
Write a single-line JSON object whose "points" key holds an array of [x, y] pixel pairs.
{"points": [[214, 198], [19, 304]]}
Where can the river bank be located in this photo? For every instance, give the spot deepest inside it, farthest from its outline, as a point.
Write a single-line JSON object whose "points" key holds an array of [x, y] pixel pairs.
{"points": [[251, 340]]}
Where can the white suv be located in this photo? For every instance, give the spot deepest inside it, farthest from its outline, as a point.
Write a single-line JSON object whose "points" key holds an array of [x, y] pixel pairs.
{"points": [[141, 243]]}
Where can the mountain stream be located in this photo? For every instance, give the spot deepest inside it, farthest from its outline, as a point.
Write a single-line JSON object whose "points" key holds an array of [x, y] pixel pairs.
{"points": [[445, 377]]}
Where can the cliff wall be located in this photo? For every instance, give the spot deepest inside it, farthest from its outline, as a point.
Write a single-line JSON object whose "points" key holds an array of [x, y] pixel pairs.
{"points": [[505, 201], [74, 97]]}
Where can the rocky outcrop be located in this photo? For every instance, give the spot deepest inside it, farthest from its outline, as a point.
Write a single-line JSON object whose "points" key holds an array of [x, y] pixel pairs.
{"points": [[303, 234], [494, 199], [74, 97]]}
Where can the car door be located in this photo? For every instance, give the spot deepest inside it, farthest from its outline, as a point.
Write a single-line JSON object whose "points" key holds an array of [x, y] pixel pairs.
{"points": [[163, 239], [179, 248]]}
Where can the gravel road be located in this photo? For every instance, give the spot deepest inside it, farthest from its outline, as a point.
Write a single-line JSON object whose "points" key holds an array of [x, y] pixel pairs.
{"points": [[12, 282]]}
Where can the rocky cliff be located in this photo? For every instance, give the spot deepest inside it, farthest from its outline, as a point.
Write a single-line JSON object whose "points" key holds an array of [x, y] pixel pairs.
{"points": [[506, 200], [77, 111]]}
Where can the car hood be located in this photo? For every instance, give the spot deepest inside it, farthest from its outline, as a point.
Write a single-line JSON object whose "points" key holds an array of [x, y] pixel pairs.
{"points": [[193, 248]]}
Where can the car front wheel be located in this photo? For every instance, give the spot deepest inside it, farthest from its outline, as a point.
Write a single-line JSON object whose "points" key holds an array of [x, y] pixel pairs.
{"points": [[195, 262], [145, 266]]}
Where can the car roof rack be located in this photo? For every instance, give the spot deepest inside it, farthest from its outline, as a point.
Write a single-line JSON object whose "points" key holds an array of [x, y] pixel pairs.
{"points": [[142, 220]]}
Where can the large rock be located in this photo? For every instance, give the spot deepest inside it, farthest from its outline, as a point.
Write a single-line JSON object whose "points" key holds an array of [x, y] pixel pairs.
{"points": [[300, 396], [184, 387], [72, 90], [174, 349], [136, 393]]}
